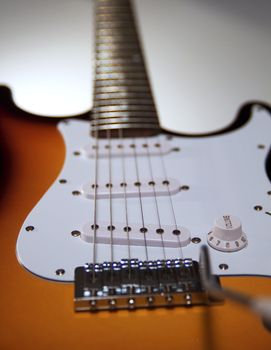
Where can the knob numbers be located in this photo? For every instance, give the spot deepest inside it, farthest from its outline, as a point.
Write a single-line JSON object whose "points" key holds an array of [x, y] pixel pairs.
{"points": [[227, 234]]}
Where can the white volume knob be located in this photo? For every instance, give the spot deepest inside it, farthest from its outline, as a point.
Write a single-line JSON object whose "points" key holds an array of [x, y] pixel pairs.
{"points": [[227, 234]]}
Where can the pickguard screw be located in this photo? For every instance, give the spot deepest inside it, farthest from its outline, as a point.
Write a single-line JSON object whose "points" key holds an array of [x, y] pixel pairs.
{"points": [[261, 146], [63, 181], [196, 240], [223, 267], [75, 233], [76, 153], [258, 208], [30, 228], [184, 188], [176, 149], [269, 193], [76, 193], [60, 272]]}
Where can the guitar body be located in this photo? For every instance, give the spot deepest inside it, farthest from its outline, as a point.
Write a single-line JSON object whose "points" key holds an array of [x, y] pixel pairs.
{"points": [[38, 312]]}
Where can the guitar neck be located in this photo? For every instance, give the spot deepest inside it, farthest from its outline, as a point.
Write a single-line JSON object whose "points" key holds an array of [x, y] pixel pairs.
{"points": [[122, 93]]}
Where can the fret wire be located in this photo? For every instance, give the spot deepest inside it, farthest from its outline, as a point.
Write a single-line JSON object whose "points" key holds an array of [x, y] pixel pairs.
{"points": [[155, 197], [169, 196], [141, 102], [121, 88], [119, 95], [140, 201], [121, 82], [120, 108], [124, 114]]}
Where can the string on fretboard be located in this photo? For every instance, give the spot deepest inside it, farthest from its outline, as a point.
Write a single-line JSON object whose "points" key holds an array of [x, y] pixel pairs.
{"points": [[122, 94]]}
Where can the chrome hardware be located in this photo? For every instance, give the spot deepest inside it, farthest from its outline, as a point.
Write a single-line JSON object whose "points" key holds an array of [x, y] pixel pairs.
{"points": [[138, 284]]}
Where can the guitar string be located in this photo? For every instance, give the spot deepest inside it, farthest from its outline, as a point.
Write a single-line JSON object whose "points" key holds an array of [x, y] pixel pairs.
{"points": [[143, 229], [152, 184], [109, 186], [167, 184], [95, 226], [120, 134]]}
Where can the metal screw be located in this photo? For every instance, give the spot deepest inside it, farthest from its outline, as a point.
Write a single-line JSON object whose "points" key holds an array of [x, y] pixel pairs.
{"points": [[76, 153], [196, 240], [137, 184], [150, 300], [62, 181], [169, 299], [261, 146], [112, 303], [269, 193], [188, 299], [131, 302], [143, 230], [126, 229], [76, 193], [184, 188], [60, 272], [176, 149], [258, 208], [75, 233], [30, 228], [165, 182], [223, 267], [176, 232]]}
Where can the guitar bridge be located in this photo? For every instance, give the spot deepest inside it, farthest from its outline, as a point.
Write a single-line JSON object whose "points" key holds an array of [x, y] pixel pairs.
{"points": [[132, 284]]}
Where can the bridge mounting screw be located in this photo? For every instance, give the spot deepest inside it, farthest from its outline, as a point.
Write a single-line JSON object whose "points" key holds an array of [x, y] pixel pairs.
{"points": [[188, 299], [30, 228], [131, 302], [112, 303]]}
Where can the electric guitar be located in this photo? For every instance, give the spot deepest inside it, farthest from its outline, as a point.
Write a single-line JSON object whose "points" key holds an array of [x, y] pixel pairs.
{"points": [[126, 216]]}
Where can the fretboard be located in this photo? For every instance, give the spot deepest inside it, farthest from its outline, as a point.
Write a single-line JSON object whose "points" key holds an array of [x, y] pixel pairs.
{"points": [[122, 93]]}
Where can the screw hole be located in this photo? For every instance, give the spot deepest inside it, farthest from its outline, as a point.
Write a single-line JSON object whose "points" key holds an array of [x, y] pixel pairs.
{"points": [[75, 233], [223, 267], [76, 193], [196, 240], [258, 208], [30, 228], [60, 272]]}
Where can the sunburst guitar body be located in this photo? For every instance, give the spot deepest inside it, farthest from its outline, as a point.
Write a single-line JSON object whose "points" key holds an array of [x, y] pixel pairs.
{"points": [[102, 219]]}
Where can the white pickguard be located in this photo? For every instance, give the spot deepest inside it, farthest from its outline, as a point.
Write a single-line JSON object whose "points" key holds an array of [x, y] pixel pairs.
{"points": [[225, 174]]}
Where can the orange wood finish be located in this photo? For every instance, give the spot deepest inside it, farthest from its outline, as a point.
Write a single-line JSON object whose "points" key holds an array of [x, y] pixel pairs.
{"points": [[36, 313]]}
